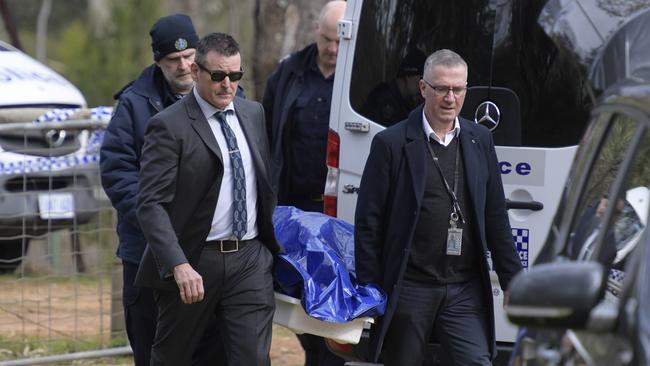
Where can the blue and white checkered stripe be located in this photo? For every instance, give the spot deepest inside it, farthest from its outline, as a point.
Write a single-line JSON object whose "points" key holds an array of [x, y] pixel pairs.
{"points": [[57, 115], [101, 113], [12, 163], [521, 238], [45, 164]]}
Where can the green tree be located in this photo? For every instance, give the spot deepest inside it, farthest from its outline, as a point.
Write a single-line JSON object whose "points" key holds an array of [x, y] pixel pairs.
{"points": [[101, 60]]}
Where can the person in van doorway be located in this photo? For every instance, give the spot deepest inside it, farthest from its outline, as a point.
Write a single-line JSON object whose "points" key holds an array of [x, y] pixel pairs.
{"points": [[431, 204], [297, 103], [391, 102], [173, 42], [205, 206]]}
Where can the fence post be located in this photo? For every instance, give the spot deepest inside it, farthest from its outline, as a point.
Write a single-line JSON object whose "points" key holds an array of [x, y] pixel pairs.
{"points": [[117, 312]]}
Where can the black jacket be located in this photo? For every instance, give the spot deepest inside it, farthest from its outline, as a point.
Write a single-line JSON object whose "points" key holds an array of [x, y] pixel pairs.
{"points": [[282, 89], [390, 197]]}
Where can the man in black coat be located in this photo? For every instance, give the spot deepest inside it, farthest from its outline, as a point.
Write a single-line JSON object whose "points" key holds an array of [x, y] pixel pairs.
{"points": [[297, 103], [431, 204]]}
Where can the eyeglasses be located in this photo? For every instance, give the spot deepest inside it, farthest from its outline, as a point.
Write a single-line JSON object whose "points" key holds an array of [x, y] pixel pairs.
{"points": [[443, 90], [220, 75]]}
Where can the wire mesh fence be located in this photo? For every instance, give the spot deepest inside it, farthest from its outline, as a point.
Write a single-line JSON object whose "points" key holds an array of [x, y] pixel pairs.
{"points": [[60, 285], [60, 282]]}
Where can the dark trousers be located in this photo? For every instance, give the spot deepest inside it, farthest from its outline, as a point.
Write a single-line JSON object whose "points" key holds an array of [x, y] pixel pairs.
{"points": [[238, 292], [456, 314], [140, 315], [140, 312], [316, 351]]}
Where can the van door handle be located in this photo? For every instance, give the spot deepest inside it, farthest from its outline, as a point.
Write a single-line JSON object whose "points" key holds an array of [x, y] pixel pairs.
{"points": [[524, 205], [357, 126]]}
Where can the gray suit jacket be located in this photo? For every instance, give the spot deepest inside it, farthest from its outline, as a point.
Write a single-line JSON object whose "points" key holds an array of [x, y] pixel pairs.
{"points": [[180, 176]]}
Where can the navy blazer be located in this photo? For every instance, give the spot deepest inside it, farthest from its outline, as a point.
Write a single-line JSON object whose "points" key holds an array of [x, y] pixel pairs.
{"points": [[119, 161], [390, 196]]}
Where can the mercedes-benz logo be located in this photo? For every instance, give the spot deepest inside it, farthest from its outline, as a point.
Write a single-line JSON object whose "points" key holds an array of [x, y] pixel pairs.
{"points": [[55, 138], [488, 115]]}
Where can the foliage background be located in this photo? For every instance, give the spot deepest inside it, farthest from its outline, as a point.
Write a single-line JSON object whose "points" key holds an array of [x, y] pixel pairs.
{"points": [[100, 45]]}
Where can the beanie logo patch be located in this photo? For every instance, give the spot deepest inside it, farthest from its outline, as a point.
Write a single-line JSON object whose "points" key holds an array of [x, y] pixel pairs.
{"points": [[180, 44]]}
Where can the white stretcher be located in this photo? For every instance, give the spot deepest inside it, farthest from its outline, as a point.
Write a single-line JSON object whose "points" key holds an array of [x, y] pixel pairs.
{"points": [[290, 314]]}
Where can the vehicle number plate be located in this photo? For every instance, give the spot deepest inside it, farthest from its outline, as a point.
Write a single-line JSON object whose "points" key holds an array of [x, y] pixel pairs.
{"points": [[56, 205]]}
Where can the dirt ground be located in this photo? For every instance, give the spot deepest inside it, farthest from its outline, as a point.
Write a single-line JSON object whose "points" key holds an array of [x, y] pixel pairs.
{"points": [[285, 349], [50, 312]]}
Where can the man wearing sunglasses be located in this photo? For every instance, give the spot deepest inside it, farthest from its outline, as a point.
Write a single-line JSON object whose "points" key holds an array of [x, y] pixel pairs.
{"points": [[205, 204], [430, 206], [167, 80], [297, 102]]}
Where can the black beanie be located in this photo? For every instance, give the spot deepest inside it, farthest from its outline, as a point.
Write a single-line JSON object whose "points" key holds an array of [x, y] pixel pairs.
{"points": [[172, 33]]}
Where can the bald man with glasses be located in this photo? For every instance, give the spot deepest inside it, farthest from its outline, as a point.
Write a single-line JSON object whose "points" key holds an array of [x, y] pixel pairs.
{"points": [[430, 206]]}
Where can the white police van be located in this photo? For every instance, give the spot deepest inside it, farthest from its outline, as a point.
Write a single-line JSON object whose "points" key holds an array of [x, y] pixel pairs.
{"points": [[533, 79], [47, 174]]}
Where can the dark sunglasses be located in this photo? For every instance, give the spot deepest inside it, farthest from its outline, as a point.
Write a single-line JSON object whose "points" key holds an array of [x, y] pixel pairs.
{"points": [[220, 75]]}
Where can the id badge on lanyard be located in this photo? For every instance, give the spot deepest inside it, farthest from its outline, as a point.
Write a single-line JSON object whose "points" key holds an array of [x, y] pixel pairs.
{"points": [[454, 233], [454, 236]]}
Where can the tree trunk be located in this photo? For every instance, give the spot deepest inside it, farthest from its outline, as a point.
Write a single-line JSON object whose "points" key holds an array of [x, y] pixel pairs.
{"points": [[99, 15], [281, 27], [10, 25], [41, 30]]}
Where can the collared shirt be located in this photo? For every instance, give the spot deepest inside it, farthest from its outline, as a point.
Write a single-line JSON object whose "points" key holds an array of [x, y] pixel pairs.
{"points": [[222, 219], [447, 138]]}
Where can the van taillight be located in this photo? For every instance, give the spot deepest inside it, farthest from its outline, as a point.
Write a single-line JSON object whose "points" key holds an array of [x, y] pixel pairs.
{"points": [[332, 181]]}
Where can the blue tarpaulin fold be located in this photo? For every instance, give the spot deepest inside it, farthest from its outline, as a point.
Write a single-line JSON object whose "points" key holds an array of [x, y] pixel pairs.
{"points": [[318, 267]]}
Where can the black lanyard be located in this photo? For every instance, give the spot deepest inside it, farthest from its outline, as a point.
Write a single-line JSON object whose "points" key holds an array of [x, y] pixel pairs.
{"points": [[452, 194]]}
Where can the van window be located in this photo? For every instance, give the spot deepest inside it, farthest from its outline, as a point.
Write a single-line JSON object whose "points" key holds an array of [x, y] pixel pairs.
{"points": [[546, 86]]}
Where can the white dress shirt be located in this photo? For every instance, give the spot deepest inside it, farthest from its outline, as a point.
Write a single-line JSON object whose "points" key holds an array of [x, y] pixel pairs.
{"points": [[447, 138], [222, 219]]}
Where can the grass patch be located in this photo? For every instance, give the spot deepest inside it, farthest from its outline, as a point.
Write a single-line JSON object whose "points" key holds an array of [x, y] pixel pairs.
{"points": [[13, 348]]}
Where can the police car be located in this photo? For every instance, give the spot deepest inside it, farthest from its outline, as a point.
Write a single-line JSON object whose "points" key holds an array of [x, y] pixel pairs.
{"points": [[46, 174]]}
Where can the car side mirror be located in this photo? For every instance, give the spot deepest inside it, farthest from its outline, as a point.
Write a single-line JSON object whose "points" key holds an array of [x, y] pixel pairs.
{"points": [[556, 295]]}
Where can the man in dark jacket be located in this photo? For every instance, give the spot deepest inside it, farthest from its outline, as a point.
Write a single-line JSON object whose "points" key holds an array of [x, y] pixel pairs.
{"points": [[430, 206], [297, 105], [158, 86]]}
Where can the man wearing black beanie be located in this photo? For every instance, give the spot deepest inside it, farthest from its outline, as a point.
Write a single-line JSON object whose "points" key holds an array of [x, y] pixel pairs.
{"points": [[173, 33], [173, 42]]}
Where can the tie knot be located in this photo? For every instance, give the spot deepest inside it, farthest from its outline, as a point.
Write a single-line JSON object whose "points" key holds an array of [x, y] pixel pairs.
{"points": [[221, 115]]}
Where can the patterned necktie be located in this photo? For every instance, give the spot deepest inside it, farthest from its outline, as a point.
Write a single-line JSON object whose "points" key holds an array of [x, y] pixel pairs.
{"points": [[239, 218]]}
